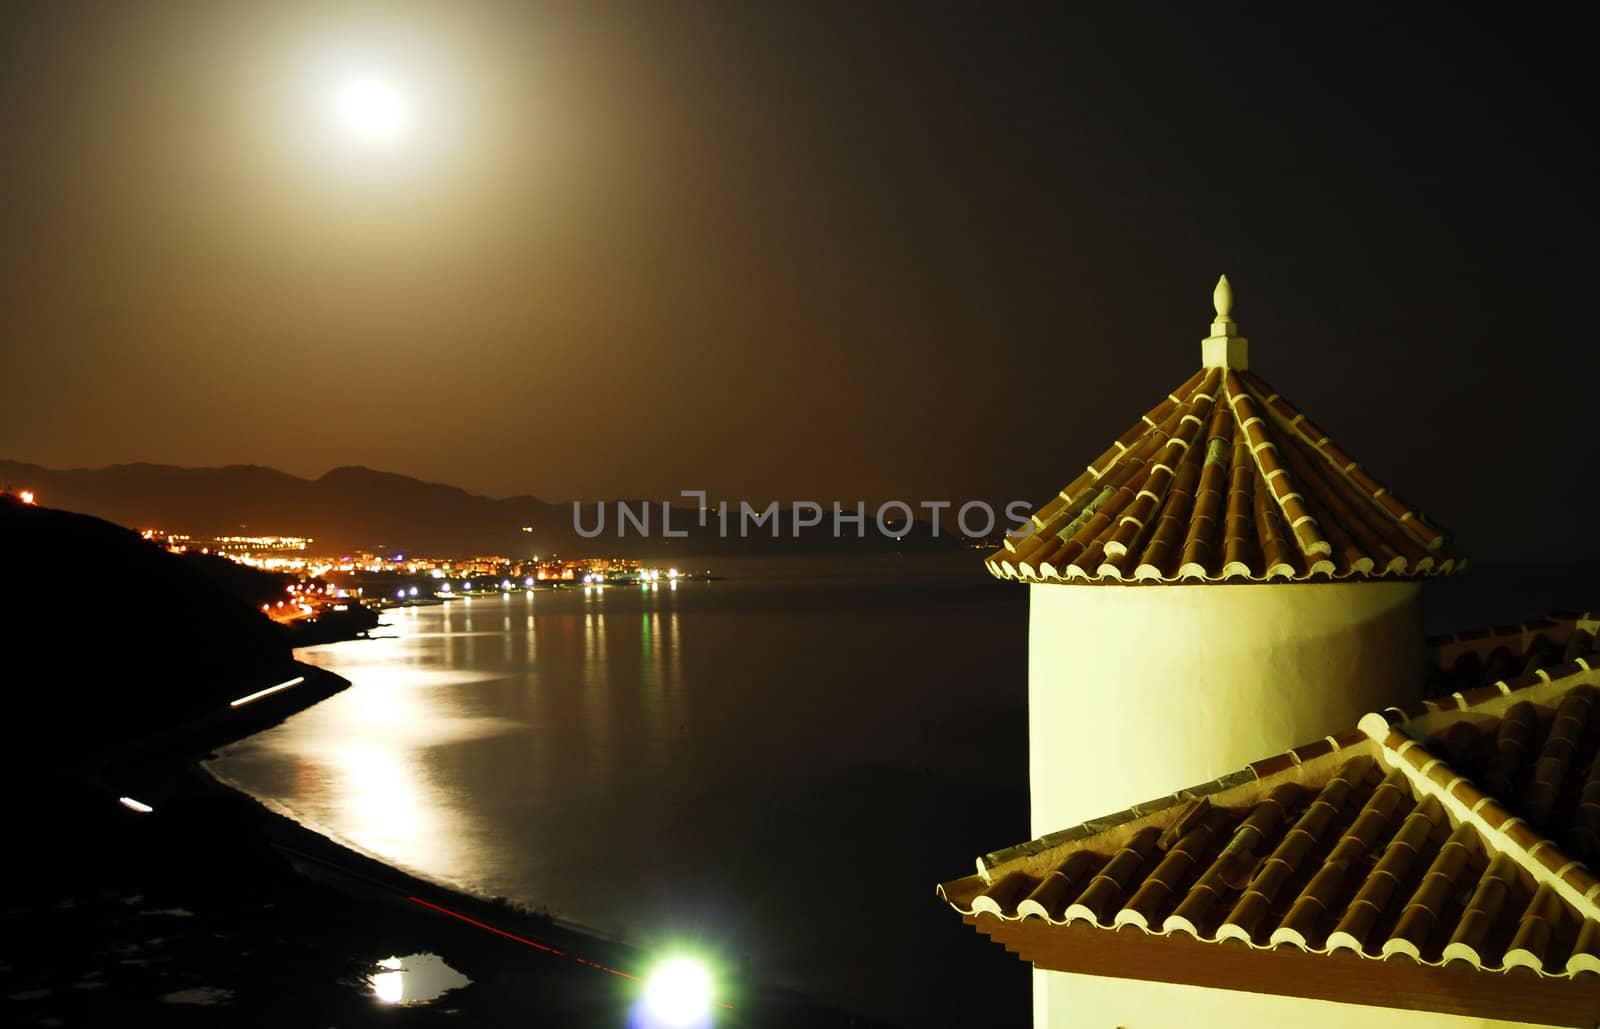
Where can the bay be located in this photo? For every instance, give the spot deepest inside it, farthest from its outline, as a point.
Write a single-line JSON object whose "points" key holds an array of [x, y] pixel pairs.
{"points": [[774, 768]]}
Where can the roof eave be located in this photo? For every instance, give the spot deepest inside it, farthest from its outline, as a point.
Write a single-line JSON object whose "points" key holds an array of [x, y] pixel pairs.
{"points": [[1456, 988]]}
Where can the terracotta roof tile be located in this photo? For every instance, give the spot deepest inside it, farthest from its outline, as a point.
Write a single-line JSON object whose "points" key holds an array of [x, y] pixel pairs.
{"points": [[1454, 835], [1511, 656], [1224, 481], [1483, 910], [1126, 867], [1445, 877], [1374, 822]]}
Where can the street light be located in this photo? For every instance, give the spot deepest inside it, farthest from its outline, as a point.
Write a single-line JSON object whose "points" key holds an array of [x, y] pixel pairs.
{"points": [[678, 992]]}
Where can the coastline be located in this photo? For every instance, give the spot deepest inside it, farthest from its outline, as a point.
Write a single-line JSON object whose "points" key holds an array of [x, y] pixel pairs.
{"points": [[302, 841], [387, 773], [213, 904]]}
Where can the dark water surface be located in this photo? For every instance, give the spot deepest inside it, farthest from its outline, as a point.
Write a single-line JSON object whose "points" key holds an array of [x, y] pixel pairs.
{"points": [[777, 767]]}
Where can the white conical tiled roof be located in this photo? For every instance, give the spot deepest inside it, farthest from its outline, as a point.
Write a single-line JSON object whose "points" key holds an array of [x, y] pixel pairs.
{"points": [[1225, 481]]}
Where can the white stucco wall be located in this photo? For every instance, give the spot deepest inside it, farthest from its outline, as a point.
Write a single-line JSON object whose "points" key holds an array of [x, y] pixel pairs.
{"points": [[1067, 1001], [1137, 691]]}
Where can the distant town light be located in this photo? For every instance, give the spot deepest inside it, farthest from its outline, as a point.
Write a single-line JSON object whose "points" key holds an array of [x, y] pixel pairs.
{"points": [[26, 496], [413, 591], [135, 805], [466, 585], [528, 581]]}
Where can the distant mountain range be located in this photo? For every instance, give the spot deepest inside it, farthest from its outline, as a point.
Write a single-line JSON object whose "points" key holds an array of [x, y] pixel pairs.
{"points": [[359, 508]]}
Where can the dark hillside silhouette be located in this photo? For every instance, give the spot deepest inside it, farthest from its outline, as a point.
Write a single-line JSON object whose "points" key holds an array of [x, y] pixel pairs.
{"points": [[109, 637]]}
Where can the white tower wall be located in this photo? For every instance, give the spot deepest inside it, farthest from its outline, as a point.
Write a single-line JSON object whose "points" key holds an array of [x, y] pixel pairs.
{"points": [[1066, 1001], [1137, 691]]}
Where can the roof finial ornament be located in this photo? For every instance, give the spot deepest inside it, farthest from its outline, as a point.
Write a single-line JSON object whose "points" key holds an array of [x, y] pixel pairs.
{"points": [[1224, 348], [1222, 297]]}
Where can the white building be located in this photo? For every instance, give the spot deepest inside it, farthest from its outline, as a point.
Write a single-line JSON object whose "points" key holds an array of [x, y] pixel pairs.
{"points": [[1220, 585]]}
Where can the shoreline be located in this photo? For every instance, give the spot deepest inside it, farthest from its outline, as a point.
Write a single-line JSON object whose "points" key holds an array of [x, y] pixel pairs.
{"points": [[215, 863], [303, 840]]}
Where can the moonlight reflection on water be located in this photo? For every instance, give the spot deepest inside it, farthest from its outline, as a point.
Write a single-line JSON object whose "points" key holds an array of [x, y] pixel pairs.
{"points": [[415, 979], [711, 765]]}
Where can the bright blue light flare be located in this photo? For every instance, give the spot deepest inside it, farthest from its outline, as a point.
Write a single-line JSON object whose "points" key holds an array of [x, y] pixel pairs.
{"points": [[677, 995]]}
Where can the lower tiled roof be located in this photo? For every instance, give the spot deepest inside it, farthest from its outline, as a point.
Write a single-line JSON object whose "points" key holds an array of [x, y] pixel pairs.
{"points": [[1449, 834], [1509, 653]]}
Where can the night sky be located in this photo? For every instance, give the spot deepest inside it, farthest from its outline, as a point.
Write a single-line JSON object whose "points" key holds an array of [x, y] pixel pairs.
{"points": [[800, 250]]}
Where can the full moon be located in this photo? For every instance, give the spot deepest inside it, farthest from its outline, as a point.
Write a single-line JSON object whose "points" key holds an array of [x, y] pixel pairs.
{"points": [[372, 109]]}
